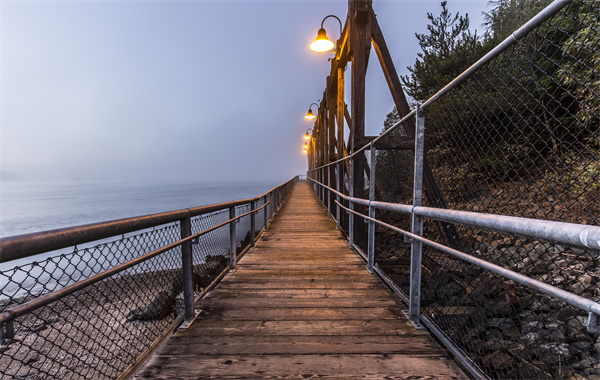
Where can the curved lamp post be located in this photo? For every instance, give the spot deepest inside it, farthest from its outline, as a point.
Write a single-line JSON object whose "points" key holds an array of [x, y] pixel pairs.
{"points": [[307, 136], [310, 115], [322, 43]]}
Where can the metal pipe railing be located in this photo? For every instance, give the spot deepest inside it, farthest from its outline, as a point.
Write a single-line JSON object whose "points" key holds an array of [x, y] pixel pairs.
{"points": [[26, 245], [582, 236], [568, 297], [577, 235], [58, 294]]}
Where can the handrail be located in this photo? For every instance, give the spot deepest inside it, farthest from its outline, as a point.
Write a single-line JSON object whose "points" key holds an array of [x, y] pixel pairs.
{"points": [[26, 245], [568, 297], [583, 236], [60, 293]]}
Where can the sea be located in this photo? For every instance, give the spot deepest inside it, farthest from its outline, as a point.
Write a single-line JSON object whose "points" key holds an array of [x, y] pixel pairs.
{"points": [[35, 206]]}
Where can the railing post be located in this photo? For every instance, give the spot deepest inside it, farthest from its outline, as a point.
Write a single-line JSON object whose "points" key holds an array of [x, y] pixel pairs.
{"points": [[266, 211], [371, 241], [351, 204], [337, 196], [252, 223], [232, 252], [187, 268], [417, 221], [326, 191]]}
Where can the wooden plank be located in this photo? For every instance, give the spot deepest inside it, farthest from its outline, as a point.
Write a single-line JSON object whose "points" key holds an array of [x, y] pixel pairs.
{"points": [[306, 344], [297, 293], [263, 283], [369, 366], [307, 313], [272, 303], [365, 328]]}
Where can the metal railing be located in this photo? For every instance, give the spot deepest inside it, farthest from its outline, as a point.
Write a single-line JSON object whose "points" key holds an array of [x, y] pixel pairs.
{"points": [[92, 301], [486, 221]]}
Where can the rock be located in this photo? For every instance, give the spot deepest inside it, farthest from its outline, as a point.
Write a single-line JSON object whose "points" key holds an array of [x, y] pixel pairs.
{"points": [[500, 323], [531, 326], [531, 338], [530, 370], [565, 314], [554, 352], [499, 360], [160, 307], [31, 359], [500, 308]]}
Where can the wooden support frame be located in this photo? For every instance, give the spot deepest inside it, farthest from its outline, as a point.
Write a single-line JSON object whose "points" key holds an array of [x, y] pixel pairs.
{"points": [[360, 32]]}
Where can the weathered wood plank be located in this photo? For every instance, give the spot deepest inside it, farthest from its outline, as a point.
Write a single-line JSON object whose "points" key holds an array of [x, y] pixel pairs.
{"points": [[306, 344], [307, 313], [295, 303], [356, 366], [297, 293], [365, 328]]}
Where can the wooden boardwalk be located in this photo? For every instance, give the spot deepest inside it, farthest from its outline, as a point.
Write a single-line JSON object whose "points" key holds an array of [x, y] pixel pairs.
{"points": [[301, 305]]}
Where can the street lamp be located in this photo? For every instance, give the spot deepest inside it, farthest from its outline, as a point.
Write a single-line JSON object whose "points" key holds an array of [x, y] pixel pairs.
{"points": [[307, 136], [310, 115], [322, 43]]}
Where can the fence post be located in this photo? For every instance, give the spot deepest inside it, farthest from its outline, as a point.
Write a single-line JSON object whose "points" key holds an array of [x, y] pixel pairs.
{"points": [[266, 211], [232, 252], [337, 196], [417, 221], [252, 223], [326, 192], [351, 204], [187, 268], [371, 241]]}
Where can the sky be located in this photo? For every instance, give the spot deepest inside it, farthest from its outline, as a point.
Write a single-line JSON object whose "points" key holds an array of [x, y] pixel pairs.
{"points": [[174, 90]]}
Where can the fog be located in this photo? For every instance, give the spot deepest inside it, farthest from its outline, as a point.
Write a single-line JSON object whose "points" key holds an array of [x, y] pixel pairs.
{"points": [[210, 90]]}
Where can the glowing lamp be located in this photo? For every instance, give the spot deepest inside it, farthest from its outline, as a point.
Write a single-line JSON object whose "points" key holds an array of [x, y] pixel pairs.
{"points": [[322, 43]]}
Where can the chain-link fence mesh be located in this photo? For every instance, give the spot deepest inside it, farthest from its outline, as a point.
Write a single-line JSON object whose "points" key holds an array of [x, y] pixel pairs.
{"points": [[101, 330], [519, 137]]}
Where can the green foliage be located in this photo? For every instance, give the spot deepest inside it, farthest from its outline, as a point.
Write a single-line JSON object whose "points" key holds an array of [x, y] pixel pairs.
{"points": [[447, 50], [580, 73], [506, 16]]}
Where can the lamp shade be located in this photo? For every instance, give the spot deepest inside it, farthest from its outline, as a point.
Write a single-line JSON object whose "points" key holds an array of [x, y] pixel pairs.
{"points": [[322, 43], [306, 136], [310, 115]]}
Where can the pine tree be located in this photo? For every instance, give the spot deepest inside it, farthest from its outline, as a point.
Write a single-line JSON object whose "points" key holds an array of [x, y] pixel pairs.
{"points": [[447, 50]]}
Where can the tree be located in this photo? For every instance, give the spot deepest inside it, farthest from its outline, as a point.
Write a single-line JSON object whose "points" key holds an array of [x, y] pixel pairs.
{"points": [[506, 16], [447, 50]]}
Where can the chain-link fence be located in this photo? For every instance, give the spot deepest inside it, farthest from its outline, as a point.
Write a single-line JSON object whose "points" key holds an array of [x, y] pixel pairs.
{"points": [[101, 328], [519, 136]]}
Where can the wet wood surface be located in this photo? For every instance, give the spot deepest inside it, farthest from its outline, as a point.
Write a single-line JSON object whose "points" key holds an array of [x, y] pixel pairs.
{"points": [[301, 305]]}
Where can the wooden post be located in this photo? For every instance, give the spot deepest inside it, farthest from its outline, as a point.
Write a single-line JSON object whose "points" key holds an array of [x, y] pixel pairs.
{"points": [[360, 45]]}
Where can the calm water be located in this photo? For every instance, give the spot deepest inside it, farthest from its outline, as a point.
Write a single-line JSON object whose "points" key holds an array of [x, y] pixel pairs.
{"points": [[31, 206], [27, 206]]}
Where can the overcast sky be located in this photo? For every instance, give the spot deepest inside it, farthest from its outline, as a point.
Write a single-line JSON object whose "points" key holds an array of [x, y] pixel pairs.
{"points": [[200, 90]]}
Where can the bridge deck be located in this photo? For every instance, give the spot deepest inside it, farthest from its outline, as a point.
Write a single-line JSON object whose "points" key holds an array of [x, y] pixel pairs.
{"points": [[301, 305]]}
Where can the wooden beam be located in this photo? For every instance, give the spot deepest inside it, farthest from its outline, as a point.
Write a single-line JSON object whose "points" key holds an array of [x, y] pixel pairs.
{"points": [[432, 190], [341, 108], [389, 71]]}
